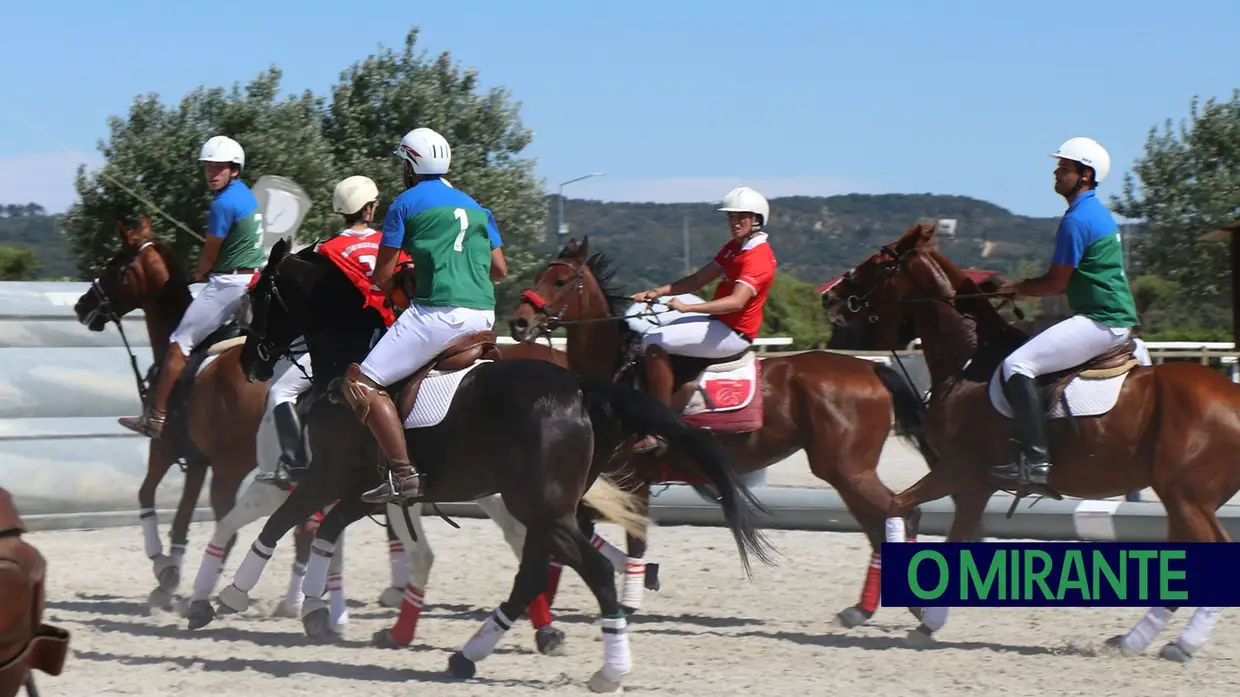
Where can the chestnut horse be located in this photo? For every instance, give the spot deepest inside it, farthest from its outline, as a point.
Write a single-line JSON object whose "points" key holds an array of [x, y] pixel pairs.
{"points": [[215, 429], [1174, 427], [837, 408]]}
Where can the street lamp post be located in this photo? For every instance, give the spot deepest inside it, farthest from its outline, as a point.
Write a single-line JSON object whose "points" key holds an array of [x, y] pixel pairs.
{"points": [[561, 228]]}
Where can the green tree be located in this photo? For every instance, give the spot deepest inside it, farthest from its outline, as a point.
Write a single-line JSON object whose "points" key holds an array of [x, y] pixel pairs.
{"points": [[16, 264], [383, 97], [1189, 181], [154, 151]]}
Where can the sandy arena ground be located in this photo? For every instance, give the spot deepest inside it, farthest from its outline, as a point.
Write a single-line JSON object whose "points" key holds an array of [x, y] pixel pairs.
{"points": [[707, 632]]}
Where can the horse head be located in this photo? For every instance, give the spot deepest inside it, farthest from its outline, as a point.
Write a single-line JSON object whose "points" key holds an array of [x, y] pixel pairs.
{"points": [[564, 291], [143, 270]]}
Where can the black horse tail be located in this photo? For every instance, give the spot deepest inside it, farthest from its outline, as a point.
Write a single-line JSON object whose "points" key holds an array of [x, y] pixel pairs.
{"points": [[908, 408], [638, 414]]}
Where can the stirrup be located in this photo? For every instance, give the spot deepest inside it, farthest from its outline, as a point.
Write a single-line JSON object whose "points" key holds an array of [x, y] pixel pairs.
{"points": [[410, 487]]}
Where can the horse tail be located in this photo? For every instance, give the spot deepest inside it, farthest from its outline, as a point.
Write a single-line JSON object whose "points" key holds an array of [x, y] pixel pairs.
{"points": [[639, 414], [619, 507], [908, 408]]}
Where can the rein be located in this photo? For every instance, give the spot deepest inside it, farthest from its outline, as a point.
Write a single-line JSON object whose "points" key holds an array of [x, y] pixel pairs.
{"points": [[554, 321]]}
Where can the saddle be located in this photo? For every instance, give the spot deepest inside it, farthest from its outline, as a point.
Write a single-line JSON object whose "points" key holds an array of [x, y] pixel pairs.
{"points": [[460, 354], [1113, 363], [176, 427], [687, 371], [26, 643]]}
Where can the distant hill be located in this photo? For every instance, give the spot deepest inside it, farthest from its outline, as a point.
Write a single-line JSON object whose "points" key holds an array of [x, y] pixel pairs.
{"points": [[815, 238], [29, 227]]}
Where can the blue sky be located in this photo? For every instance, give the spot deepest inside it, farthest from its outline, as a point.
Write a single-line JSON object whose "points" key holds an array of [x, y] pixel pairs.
{"points": [[674, 100]]}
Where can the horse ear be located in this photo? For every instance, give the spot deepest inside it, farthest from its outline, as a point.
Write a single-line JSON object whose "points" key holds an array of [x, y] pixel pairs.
{"points": [[583, 250], [144, 227], [570, 247], [121, 232], [927, 227], [277, 252]]}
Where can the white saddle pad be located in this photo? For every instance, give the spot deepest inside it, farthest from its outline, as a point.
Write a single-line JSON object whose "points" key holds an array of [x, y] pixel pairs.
{"points": [[1085, 397], [435, 396], [731, 386]]}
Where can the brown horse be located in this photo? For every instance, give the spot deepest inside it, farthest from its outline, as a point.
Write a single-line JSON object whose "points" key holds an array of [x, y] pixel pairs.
{"points": [[215, 428], [837, 408], [1174, 427]]}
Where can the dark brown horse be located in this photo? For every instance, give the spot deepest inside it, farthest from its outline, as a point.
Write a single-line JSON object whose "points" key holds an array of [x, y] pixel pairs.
{"points": [[837, 408], [214, 429], [1174, 427]]}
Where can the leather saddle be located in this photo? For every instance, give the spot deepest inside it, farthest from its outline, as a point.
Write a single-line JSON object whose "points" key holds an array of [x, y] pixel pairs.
{"points": [[1115, 362], [688, 370], [26, 643], [460, 354]]}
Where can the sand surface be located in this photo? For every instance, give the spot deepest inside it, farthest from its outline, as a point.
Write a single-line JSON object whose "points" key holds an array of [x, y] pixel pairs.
{"points": [[707, 632]]}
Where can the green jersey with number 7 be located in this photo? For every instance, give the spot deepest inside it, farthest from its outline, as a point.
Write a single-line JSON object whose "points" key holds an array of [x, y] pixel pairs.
{"points": [[450, 238]]}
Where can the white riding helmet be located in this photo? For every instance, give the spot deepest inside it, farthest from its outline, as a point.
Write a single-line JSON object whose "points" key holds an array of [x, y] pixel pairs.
{"points": [[1088, 152], [352, 194], [743, 199], [222, 149], [426, 151]]}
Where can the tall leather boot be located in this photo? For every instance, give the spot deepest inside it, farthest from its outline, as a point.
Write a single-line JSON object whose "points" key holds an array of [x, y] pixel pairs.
{"points": [[151, 422], [1030, 427], [292, 463], [373, 407], [659, 379]]}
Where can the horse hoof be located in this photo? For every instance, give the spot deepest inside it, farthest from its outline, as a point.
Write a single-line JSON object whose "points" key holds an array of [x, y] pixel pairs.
{"points": [[652, 576], [918, 612], [628, 611], [182, 608], [550, 641], [315, 619], [1175, 653], [391, 597], [160, 599], [200, 614], [460, 667], [853, 617], [233, 599], [382, 639], [919, 638], [284, 609], [1117, 643], [169, 577], [602, 683]]}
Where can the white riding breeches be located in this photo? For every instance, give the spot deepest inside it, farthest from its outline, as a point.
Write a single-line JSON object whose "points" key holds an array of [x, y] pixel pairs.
{"points": [[291, 384], [417, 336], [214, 306], [697, 336], [1064, 345]]}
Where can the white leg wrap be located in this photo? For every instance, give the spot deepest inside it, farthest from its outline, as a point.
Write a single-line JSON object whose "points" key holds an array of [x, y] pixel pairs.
{"points": [[617, 558], [935, 618], [1146, 629], [208, 572], [252, 566], [150, 533], [895, 530], [177, 553], [399, 562], [634, 583], [1197, 633], [315, 583], [617, 661], [337, 607], [293, 596], [483, 642]]}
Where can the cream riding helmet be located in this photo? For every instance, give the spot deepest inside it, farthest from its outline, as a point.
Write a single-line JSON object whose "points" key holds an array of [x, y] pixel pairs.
{"points": [[743, 199], [353, 194]]}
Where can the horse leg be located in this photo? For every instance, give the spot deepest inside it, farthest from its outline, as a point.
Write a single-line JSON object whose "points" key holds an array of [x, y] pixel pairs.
{"points": [[1197, 633], [314, 492], [393, 595], [634, 563], [256, 501], [970, 507], [167, 568], [325, 620], [530, 581], [303, 537], [420, 559]]}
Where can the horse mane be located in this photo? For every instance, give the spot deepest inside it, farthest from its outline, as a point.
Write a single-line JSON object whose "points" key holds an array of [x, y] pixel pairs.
{"points": [[176, 269]]}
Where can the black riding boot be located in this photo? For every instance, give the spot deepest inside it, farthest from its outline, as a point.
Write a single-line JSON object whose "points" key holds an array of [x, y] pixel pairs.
{"points": [[1030, 423], [292, 462]]}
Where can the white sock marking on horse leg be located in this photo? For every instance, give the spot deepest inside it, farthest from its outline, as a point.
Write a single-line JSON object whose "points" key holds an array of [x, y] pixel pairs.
{"points": [[208, 572], [1146, 629], [336, 604], [617, 661], [895, 530], [252, 566], [634, 583], [176, 552], [483, 642], [1197, 633], [315, 583], [294, 595], [150, 533], [617, 558]]}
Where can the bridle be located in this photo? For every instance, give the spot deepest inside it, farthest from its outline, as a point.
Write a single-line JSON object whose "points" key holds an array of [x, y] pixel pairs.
{"points": [[105, 308], [264, 348], [554, 319]]}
